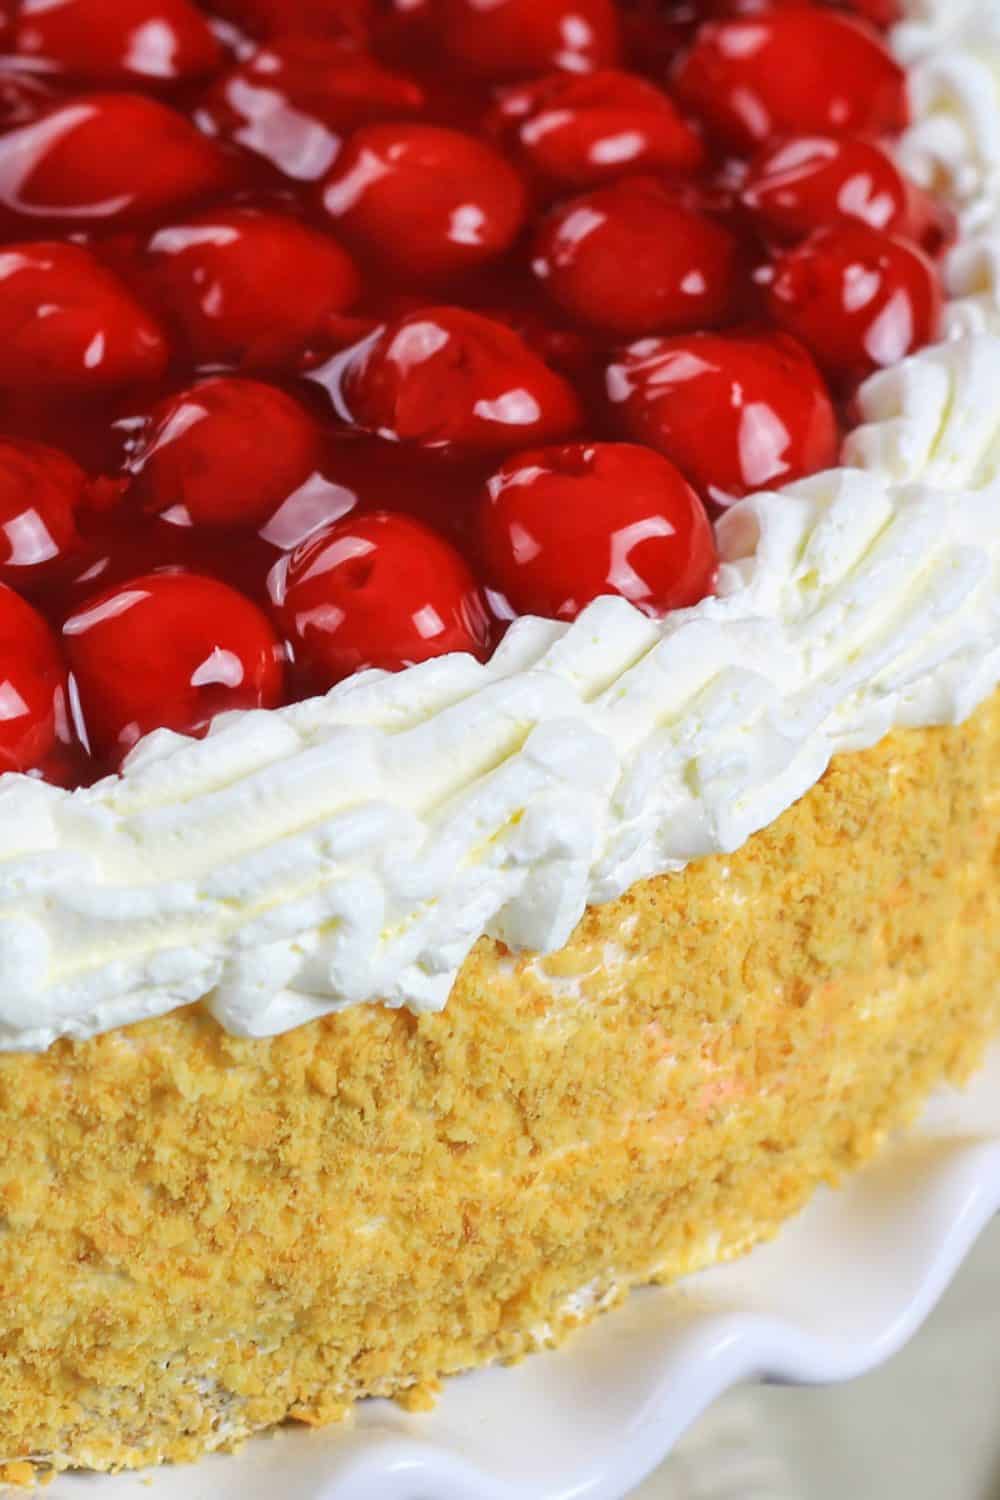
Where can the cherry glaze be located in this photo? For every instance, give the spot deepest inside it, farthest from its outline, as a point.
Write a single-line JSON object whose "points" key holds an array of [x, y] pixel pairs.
{"points": [[224, 452], [581, 130], [446, 378], [169, 650], [127, 41], [859, 299], [635, 258], [376, 591], [791, 70], [561, 526], [333, 333], [32, 686], [734, 412], [206, 273], [808, 182], [516, 37], [292, 102], [41, 493]]}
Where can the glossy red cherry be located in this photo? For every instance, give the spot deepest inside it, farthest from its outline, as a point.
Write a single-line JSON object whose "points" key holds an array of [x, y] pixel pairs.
{"points": [[318, 18], [167, 650], [67, 324], [292, 101], [792, 72], [209, 272], [857, 298], [380, 590], [444, 377], [582, 131], [425, 202], [517, 38], [41, 492], [107, 159], [32, 685], [561, 526], [735, 413], [808, 182], [153, 41], [225, 452], [632, 259], [23, 97]]}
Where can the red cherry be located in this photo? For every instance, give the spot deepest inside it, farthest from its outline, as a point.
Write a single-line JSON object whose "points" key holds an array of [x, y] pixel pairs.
{"points": [[167, 651], [859, 299], [152, 41], [808, 182], [632, 259], [209, 272], [445, 377], [23, 97], [583, 131], [292, 101], [728, 9], [511, 38], [226, 452], [101, 158], [41, 492], [735, 413], [426, 202], [561, 526], [32, 685], [380, 590], [318, 18], [68, 324], [883, 13], [792, 72]]}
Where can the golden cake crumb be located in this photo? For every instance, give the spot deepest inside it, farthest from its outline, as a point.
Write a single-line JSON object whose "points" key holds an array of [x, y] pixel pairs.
{"points": [[203, 1235]]}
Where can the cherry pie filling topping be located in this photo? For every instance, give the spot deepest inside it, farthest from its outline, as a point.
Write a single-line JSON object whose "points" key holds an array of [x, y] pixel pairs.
{"points": [[336, 334]]}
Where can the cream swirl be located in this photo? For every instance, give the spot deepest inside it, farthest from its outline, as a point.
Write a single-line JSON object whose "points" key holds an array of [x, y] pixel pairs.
{"points": [[356, 846]]}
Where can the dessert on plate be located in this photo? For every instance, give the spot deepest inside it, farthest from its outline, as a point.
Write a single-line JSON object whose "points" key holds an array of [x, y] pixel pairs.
{"points": [[499, 647]]}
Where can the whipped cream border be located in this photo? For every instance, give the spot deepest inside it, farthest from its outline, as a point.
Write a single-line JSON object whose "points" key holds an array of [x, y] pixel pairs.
{"points": [[355, 847]]}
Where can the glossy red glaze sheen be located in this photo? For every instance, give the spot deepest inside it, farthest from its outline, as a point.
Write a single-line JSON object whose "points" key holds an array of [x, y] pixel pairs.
{"points": [[577, 131], [444, 377], [734, 412], [41, 492], [426, 203], [208, 272], [268, 18], [67, 324], [113, 41], [380, 590], [226, 452], [809, 182], [858, 299], [632, 259], [561, 526], [792, 71], [517, 38], [293, 101], [283, 283], [32, 686], [168, 650], [107, 159]]}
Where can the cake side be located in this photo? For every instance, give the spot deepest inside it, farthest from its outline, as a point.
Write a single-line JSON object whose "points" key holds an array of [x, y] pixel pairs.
{"points": [[204, 1234]]}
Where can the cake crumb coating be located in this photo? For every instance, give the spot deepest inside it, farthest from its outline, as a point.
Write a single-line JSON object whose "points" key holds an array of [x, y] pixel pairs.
{"points": [[201, 1236]]}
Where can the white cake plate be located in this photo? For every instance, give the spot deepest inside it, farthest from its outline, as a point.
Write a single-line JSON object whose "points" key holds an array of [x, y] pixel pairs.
{"points": [[841, 1290]]}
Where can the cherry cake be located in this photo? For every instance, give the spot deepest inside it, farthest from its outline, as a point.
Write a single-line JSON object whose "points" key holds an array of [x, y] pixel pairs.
{"points": [[340, 335]]}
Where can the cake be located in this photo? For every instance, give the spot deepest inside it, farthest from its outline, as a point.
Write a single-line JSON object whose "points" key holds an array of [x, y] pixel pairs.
{"points": [[499, 649]]}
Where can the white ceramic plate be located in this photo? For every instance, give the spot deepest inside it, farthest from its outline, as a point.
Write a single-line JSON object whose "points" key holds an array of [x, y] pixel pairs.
{"points": [[841, 1290]]}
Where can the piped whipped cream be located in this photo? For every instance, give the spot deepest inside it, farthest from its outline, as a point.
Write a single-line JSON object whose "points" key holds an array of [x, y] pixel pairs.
{"points": [[355, 847]]}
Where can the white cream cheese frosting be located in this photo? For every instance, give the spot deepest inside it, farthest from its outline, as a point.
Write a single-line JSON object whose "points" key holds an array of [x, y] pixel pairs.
{"points": [[355, 847]]}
